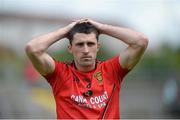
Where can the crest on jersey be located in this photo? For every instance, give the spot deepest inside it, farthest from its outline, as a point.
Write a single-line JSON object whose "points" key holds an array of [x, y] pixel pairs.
{"points": [[98, 76]]}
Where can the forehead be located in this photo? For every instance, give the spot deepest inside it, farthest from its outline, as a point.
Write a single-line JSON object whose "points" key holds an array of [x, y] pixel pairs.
{"points": [[82, 37]]}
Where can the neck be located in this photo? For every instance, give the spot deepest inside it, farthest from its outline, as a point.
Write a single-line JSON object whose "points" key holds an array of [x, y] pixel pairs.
{"points": [[85, 68]]}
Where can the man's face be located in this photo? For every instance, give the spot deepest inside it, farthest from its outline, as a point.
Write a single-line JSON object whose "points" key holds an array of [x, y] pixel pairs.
{"points": [[84, 48]]}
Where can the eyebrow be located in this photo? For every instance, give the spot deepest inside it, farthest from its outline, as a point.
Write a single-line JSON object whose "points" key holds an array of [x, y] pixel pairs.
{"points": [[85, 42]]}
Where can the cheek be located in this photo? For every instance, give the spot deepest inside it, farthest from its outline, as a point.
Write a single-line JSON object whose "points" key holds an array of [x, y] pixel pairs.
{"points": [[76, 52]]}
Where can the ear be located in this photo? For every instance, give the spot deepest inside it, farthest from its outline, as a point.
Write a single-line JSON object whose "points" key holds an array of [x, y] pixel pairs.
{"points": [[70, 48], [98, 46]]}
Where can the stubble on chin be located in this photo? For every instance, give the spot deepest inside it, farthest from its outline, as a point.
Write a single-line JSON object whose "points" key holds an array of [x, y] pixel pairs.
{"points": [[87, 63]]}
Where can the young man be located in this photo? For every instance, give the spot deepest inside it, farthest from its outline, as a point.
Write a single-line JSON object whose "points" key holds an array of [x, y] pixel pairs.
{"points": [[86, 88]]}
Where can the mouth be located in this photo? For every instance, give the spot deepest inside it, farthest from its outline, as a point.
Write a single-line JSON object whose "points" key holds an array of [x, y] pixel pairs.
{"points": [[86, 57]]}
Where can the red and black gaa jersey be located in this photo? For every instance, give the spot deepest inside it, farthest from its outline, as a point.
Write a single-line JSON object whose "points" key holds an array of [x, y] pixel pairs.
{"points": [[93, 94]]}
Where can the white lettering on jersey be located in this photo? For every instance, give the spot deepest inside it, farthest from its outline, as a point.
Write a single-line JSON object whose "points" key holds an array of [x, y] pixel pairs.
{"points": [[78, 99], [99, 99], [93, 102]]}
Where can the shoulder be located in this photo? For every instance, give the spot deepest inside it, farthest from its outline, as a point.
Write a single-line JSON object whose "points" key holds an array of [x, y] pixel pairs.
{"points": [[60, 69], [113, 64], [113, 60], [63, 64], [109, 64]]}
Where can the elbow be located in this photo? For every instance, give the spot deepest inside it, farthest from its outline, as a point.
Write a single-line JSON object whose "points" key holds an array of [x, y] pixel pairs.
{"points": [[30, 48], [142, 41]]}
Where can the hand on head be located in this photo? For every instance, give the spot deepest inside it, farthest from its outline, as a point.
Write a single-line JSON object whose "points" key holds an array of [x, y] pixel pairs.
{"points": [[76, 21], [87, 20]]}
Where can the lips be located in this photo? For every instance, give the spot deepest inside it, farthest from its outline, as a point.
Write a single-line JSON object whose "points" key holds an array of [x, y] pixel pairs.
{"points": [[86, 57]]}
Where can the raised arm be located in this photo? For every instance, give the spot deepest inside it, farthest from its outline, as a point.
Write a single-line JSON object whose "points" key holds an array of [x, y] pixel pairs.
{"points": [[36, 49], [137, 42]]}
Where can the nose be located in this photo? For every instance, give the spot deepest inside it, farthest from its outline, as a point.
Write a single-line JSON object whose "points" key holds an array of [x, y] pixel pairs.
{"points": [[86, 49]]}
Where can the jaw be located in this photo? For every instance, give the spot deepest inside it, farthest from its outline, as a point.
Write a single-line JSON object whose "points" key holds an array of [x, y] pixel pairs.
{"points": [[85, 65]]}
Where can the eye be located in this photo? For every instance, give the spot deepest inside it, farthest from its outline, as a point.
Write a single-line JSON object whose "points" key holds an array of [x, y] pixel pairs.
{"points": [[90, 44], [80, 44]]}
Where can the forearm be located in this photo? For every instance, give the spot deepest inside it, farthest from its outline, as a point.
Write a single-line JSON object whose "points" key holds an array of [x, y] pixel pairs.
{"points": [[130, 37], [40, 44]]}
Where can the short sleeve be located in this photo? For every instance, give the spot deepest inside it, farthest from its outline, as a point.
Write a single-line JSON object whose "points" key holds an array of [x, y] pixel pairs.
{"points": [[117, 69], [55, 78], [50, 77]]}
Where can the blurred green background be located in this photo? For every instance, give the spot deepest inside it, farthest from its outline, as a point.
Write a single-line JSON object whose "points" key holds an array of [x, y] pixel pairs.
{"points": [[150, 90]]}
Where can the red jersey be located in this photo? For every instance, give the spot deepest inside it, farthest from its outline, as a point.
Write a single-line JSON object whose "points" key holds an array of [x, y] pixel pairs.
{"points": [[93, 94]]}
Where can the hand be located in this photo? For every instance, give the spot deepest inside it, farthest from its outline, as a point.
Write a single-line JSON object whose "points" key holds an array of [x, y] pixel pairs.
{"points": [[70, 26], [95, 23], [73, 23]]}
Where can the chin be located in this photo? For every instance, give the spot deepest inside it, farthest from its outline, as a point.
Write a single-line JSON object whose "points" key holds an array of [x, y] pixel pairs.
{"points": [[86, 63]]}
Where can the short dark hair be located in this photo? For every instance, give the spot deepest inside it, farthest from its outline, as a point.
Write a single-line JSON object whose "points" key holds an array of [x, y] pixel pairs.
{"points": [[86, 28]]}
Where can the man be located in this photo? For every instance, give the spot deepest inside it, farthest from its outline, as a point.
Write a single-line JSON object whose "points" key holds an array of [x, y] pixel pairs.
{"points": [[86, 88]]}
